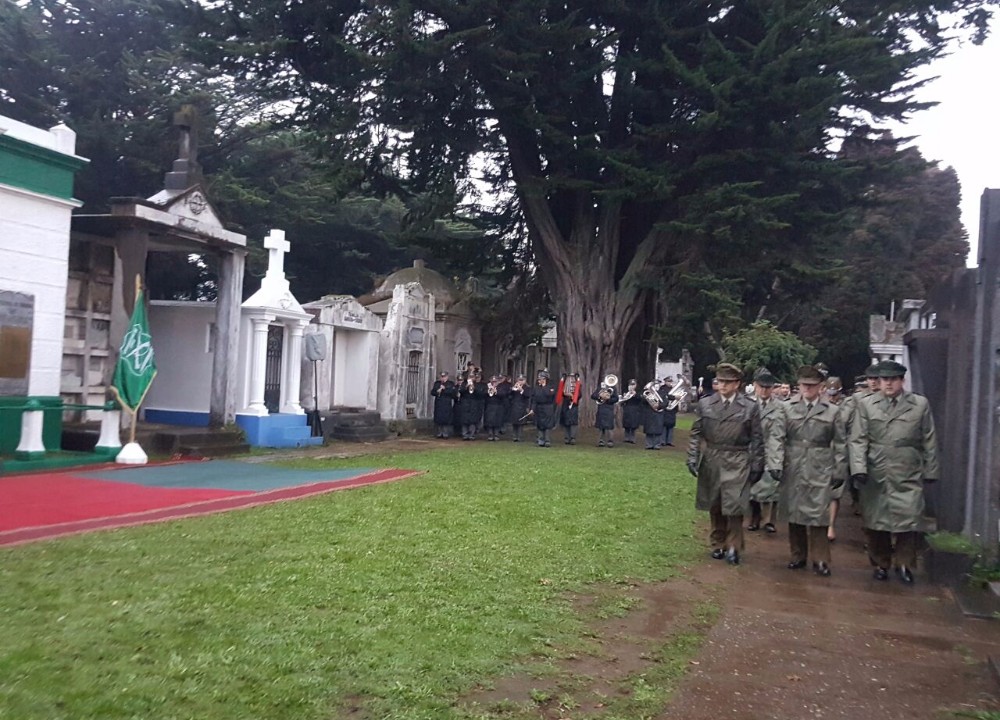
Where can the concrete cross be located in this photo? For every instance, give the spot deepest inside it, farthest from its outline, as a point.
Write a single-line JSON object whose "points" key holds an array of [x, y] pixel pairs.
{"points": [[276, 246], [187, 120]]}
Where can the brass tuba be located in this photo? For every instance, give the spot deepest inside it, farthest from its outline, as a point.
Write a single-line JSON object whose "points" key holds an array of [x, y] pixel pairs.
{"points": [[607, 388]]}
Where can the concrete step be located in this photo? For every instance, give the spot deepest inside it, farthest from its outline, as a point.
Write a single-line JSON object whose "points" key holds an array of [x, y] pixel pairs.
{"points": [[354, 425], [352, 419]]}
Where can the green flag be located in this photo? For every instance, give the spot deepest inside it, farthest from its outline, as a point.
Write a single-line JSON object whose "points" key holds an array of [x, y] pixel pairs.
{"points": [[136, 368]]}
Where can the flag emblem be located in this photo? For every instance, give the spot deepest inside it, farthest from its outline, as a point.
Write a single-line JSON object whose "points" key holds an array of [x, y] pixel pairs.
{"points": [[136, 365]]}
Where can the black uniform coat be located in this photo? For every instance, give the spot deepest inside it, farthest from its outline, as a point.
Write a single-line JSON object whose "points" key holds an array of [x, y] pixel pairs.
{"points": [[444, 402], [520, 400], [496, 409], [652, 420], [605, 419], [543, 402], [632, 411], [470, 409]]}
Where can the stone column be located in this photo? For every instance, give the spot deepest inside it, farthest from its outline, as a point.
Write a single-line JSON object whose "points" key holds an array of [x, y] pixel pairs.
{"points": [[31, 445], [225, 353], [291, 367], [257, 366]]}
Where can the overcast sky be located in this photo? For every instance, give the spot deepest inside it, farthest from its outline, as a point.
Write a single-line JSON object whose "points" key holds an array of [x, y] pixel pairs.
{"points": [[963, 130]]}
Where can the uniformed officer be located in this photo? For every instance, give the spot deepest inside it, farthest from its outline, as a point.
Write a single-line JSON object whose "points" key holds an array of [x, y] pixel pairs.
{"points": [[893, 449], [764, 495], [815, 466], [726, 454]]}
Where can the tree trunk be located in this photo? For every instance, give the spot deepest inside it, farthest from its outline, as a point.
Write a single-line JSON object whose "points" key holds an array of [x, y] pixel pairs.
{"points": [[593, 315], [596, 303]]}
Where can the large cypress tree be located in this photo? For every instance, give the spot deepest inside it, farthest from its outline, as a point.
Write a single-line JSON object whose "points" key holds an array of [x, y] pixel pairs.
{"points": [[675, 148]]}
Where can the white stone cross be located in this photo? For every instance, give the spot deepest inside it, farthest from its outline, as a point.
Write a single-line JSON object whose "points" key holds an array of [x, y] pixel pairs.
{"points": [[276, 246]]}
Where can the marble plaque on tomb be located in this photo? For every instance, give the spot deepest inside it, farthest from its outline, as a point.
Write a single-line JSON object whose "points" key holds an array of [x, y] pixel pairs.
{"points": [[17, 314]]}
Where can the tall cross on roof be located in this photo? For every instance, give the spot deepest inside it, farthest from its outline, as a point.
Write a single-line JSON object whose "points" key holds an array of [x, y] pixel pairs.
{"points": [[276, 246], [187, 120]]}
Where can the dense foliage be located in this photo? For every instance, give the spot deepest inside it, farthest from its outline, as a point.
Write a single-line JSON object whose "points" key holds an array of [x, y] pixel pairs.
{"points": [[662, 173]]}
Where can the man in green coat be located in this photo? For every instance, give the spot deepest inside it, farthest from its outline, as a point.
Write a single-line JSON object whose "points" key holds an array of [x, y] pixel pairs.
{"points": [[864, 386], [726, 454], [815, 466], [764, 495], [893, 452]]}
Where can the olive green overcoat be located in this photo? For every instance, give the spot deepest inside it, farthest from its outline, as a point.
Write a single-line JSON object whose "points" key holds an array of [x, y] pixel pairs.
{"points": [[815, 456], [848, 410], [772, 420], [726, 445], [897, 448]]}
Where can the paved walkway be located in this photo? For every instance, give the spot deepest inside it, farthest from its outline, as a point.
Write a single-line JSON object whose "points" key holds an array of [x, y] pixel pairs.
{"points": [[791, 645]]}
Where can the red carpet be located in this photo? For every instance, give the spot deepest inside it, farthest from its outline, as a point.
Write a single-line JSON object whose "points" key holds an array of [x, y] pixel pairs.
{"points": [[40, 506]]}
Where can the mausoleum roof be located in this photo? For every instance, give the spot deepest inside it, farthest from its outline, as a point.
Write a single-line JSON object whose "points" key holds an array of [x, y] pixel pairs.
{"points": [[431, 281]]}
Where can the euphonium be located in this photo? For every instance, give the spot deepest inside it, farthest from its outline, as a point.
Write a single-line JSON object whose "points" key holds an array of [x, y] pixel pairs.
{"points": [[677, 394], [651, 395]]}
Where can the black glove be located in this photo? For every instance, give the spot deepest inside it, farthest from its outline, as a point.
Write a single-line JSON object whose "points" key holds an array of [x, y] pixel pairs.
{"points": [[755, 476], [693, 468], [837, 483], [775, 475], [859, 478], [930, 480]]}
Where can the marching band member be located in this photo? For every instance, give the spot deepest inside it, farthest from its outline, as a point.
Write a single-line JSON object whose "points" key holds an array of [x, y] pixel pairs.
{"points": [[472, 393], [606, 398], [543, 407], [520, 404], [495, 409], [443, 392], [669, 413], [503, 388], [568, 400], [632, 406], [653, 425]]}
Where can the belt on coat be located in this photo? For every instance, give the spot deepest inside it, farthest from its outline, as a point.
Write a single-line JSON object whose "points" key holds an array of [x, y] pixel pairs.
{"points": [[918, 444], [807, 443], [730, 448]]}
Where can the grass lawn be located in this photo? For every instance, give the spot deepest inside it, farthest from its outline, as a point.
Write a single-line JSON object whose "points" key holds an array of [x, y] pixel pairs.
{"points": [[394, 599]]}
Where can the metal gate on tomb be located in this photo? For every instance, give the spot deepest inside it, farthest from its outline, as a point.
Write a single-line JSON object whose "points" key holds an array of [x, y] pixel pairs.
{"points": [[272, 368]]}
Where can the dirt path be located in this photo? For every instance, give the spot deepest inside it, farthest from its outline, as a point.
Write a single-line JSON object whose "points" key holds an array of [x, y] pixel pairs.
{"points": [[790, 644]]}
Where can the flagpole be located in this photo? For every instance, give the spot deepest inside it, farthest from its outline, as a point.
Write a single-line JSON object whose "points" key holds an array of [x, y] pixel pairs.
{"points": [[135, 412], [132, 454]]}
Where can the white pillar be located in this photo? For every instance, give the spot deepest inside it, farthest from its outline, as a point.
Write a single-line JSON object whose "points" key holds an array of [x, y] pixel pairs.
{"points": [[109, 443], [291, 368], [31, 446], [258, 365]]}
